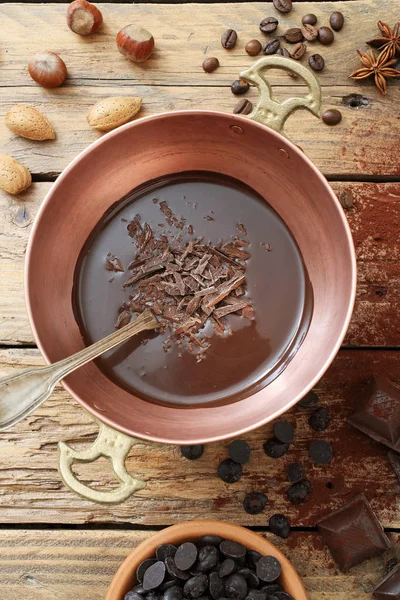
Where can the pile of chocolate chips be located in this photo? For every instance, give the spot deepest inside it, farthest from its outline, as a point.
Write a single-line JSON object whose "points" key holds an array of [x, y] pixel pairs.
{"points": [[184, 284], [213, 568]]}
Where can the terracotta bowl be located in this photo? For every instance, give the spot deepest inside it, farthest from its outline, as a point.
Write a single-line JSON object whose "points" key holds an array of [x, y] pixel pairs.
{"points": [[125, 577]]}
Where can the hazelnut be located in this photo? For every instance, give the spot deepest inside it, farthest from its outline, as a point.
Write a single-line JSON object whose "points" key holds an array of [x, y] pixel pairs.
{"points": [[135, 43], [47, 69], [83, 18]]}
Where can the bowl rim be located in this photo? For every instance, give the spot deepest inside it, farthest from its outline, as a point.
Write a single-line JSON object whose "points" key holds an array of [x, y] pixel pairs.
{"points": [[352, 268], [191, 530]]}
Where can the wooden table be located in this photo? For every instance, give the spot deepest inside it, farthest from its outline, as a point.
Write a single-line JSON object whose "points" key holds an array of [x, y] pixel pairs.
{"points": [[53, 544]]}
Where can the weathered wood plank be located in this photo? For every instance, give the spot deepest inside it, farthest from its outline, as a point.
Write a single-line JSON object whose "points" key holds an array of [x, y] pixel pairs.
{"points": [[43, 565], [178, 489], [375, 222], [365, 142]]}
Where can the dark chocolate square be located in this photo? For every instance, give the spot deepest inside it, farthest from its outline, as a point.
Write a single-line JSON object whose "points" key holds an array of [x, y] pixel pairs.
{"points": [[353, 533], [389, 588], [394, 460], [378, 412]]}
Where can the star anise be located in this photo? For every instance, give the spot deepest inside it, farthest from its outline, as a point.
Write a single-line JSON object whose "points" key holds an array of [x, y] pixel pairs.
{"points": [[378, 66], [389, 42]]}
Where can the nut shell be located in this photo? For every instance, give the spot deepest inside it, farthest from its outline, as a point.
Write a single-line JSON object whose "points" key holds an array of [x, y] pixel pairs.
{"points": [[47, 69], [30, 123], [83, 18], [113, 112], [14, 177], [135, 43]]}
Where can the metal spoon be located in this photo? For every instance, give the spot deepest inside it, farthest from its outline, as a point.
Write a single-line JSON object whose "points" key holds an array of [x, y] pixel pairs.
{"points": [[23, 393]]}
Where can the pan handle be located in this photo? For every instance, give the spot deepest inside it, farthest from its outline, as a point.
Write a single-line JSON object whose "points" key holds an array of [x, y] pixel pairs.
{"points": [[269, 110], [111, 444]]}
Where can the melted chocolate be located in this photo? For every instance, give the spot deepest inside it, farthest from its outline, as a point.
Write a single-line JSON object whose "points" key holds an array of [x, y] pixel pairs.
{"points": [[277, 283]]}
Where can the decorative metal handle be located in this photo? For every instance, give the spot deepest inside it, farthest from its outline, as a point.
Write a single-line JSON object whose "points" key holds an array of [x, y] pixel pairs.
{"points": [[269, 110], [110, 444]]}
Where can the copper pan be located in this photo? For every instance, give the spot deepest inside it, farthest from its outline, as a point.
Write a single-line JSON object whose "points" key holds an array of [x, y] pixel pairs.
{"points": [[171, 143]]}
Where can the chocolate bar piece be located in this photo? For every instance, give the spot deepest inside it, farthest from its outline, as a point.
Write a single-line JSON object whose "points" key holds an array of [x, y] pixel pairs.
{"points": [[389, 588], [378, 413], [394, 460], [353, 533]]}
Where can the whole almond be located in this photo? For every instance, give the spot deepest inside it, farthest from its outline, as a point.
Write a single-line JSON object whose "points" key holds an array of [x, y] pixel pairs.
{"points": [[14, 177], [113, 112], [29, 123]]}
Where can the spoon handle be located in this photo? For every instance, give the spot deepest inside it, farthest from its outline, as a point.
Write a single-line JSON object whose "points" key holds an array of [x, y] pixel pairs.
{"points": [[23, 393]]}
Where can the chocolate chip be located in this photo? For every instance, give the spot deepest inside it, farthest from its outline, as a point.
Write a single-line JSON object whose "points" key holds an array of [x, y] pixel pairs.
{"points": [[275, 449], [250, 577], [284, 432], [331, 117], [271, 46], [142, 568], [227, 567], [240, 86], [283, 6], [254, 503], [154, 576], [239, 451], [271, 589], [210, 64], [132, 596], [229, 39], [207, 558], [295, 472], [243, 107], [139, 589], [172, 593], [167, 584], [280, 525], [319, 419], [192, 452], [320, 452], [309, 401], [232, 549], [174, 571], [185, 556], [252, 558], [236, 587], [256, 595], [165, 550], [196, 586], [336, 20], [216, 586], [253, 47], [283, 596], [230, 471], [309, 19], [325, 35], [268, 568], [317, 63], [298, 492], [214, 540], [269, 24]]}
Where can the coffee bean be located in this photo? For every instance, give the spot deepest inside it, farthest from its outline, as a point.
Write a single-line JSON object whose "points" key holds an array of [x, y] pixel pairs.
{"points": [[298, 492], [280, 526], [210, 64], [275, 449], [239, 450], [227, 567], [207, 558], [309, 19], [253, 47], [331, 116], [336, 20], [325, 35], [254, 503], [283, 6], [174, 571], [293, 35], [268, 569], [229, 471], [216, 586], [252, 558], [165, 550], [317, 63], [271, 46], [298, 51], [268, 25], [295, 472], [185, 556], [154, 576], [232, 549], [192, 452], [213, 540], [284, 432], [309, 32], [319, 419], [229, 39], [240, 86], [142, 568], [284, 52], [320, 452], [236, 587], [196, 586], [256, 595], [172, 593], [311, 399], [243, 107]]}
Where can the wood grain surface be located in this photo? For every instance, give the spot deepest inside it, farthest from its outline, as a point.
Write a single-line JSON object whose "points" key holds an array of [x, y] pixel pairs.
{"points": [[49, 565]]}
